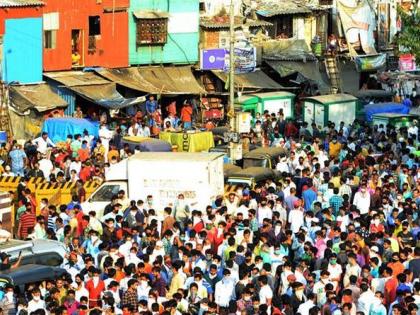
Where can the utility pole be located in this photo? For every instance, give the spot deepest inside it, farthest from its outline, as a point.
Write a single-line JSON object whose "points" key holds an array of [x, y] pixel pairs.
{"points": [[231, 113]]}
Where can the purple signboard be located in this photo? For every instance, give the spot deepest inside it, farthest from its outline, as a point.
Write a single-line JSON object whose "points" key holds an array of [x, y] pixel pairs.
{"points": [[213, 59]]}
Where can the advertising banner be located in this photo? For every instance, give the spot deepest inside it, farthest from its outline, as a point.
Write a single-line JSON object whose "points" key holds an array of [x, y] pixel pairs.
{"points": [[213, 59]]}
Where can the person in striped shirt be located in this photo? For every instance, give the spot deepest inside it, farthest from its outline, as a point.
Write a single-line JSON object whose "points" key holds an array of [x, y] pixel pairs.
{"points": [[27, 221]]}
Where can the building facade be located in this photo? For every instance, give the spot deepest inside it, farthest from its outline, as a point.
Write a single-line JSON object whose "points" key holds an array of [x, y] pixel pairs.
{"points": [[165, 31], [21, 41], [85, 34]]}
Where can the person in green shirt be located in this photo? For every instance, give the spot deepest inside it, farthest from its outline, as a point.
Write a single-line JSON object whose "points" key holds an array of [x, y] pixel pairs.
{"points": [[231, 248]]}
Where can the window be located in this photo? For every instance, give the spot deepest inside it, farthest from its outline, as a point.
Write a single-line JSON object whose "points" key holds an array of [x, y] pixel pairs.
{"points": [[284, 27], [94, 25], [104, 192], [152, 31], [50, 38]]}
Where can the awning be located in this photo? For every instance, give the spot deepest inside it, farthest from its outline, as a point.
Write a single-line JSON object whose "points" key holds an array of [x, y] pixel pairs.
{"points": [[150, 15], [76, 78], [106, 95], [251, 80], [94, 88], [38, 96], [128, 77], [309, 70], [156, 80]]}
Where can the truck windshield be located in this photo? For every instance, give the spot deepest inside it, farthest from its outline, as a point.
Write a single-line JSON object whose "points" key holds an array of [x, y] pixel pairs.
{"points": [[104, 193], [254, 162], [237, 181]]}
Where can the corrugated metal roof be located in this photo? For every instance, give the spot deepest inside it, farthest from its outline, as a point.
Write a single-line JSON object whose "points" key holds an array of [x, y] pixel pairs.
{"points": [[155, 80], [128, 77], [251, 80], [239, 22], [76, 78], [38, 96], [20, 3], [271, 8], [93, 88]]}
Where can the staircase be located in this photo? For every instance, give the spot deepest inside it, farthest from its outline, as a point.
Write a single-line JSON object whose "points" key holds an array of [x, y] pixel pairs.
{"points": [[333, 73], [5, 123]]}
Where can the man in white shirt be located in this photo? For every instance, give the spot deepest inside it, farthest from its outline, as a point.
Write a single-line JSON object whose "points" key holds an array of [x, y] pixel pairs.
{"points": [[36, 303], [105, 135], [43, 143], [46, 166], [225, 290], [266, 294], [305, 307], [296, 217], [367, 297], [264, 212], [362, 200], [319, 288]]}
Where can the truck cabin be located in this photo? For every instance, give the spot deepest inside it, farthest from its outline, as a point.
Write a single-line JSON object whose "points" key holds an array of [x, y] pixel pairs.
{"points": [[251, 177], [263, 157]]}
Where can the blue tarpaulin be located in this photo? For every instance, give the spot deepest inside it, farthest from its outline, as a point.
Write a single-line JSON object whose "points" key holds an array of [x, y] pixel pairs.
{"points": [[59, 128], [379, 108]]}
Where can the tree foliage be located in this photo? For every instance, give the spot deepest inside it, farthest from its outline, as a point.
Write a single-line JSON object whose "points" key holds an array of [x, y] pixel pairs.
{"points": [[409, 37]]}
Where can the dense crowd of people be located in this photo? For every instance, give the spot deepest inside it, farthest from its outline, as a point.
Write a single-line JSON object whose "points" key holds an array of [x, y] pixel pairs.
{"points": [[336, 233]]}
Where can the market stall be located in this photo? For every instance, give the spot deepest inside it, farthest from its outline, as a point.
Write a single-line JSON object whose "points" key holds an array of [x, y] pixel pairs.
{"points": [[190, 141]]}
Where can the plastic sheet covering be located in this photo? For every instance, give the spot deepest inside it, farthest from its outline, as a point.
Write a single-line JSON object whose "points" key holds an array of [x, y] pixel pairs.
{"points": [[380, 108], [59, 128], [287, 49], [358, 21]]}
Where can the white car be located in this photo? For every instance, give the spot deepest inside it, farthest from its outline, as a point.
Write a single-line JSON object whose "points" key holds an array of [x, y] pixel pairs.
{"points": [[40, 252]]}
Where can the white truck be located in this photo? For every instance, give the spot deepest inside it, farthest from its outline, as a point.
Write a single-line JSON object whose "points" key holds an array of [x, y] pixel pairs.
{"points": [[164, 175]]}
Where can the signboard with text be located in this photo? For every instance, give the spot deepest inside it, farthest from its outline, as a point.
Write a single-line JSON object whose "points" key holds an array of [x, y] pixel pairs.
{"points": [[218, 59]]}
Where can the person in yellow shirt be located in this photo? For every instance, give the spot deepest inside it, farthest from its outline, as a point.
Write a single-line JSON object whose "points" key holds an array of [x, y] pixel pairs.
{"points": [[335, 148], [177, 280]]}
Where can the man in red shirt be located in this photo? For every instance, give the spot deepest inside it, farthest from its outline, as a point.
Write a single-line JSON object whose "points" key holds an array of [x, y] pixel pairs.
{"points": [[95, 286], [186, 115], [390, 286], [27, 221]]}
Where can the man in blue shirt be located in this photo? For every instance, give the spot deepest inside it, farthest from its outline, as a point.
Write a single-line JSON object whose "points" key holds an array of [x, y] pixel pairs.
{"points": [[151, 107], [309, 196], [18, 160]]}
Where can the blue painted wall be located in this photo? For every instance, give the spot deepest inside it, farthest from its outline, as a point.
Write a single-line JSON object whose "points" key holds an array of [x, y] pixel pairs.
{"points": [[181, 48], [22, 50]]}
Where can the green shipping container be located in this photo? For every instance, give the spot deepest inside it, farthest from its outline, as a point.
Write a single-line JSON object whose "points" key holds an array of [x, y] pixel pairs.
{"points": [[396, 120], [273, 102], [331, 107]]}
